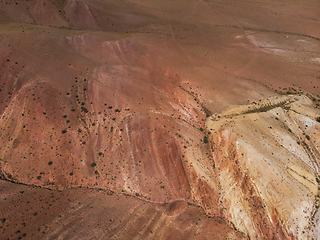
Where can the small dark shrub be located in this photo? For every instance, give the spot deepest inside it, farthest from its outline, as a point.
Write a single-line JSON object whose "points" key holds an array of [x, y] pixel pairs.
{"points": [[84, 109]]}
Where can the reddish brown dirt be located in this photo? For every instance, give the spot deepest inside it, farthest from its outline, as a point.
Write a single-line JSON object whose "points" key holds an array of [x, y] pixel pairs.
{"points": [[114, 94], [35, 213]]}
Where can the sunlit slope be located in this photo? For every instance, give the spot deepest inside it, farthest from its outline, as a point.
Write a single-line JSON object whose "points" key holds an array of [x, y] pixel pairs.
{"points": [[115, 95], [267, 159]]}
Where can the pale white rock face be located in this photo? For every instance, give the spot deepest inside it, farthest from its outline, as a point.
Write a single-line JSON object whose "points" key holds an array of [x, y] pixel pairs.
{"points": [[267, 159]]}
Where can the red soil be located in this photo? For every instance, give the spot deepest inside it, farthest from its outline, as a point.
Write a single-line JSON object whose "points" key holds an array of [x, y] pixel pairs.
{"points": [[114, 95]]}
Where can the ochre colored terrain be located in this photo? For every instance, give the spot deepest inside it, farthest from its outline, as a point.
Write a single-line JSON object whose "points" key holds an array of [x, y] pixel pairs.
{"points": [[160, 119], [36, 213]]}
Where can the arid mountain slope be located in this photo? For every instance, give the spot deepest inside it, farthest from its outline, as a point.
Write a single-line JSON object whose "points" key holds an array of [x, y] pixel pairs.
{"points": [[150, 99], [36, 213], [267, 161]]}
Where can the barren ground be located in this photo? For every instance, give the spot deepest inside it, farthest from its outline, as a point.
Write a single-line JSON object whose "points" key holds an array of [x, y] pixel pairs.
{"points": [[159, 119]]}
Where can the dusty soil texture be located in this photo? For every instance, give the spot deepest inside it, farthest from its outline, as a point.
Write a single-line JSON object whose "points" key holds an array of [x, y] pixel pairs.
{"points": [[37, 213], [159, 119]]}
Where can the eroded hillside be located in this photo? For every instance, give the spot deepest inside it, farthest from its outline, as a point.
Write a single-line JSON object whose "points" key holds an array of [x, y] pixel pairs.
{"points": [[267, 160], [174, 103]]}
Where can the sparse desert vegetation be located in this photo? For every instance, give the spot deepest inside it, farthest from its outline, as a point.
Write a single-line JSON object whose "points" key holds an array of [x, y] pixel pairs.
{"points": [[200, 115]]}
